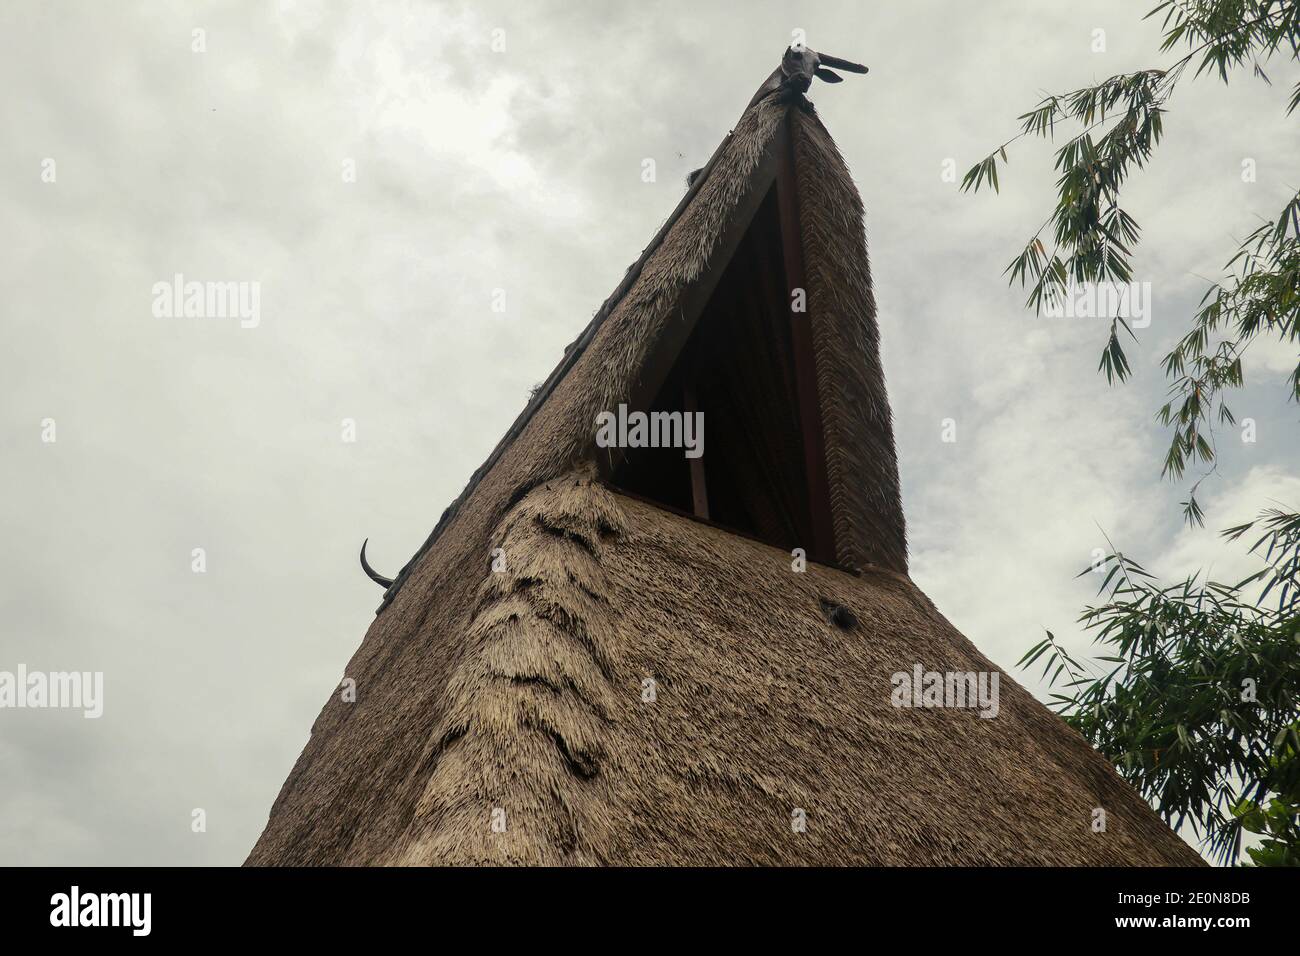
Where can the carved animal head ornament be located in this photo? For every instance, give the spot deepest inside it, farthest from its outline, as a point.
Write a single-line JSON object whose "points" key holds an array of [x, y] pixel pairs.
{"points": [[798, 67], [802, 64]]}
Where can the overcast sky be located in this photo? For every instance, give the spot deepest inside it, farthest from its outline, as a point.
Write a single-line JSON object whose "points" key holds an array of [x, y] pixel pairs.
{"points": [[517, 170]]}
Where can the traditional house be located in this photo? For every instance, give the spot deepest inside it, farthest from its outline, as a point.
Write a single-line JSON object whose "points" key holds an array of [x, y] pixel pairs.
{"points": [[611, 654]]}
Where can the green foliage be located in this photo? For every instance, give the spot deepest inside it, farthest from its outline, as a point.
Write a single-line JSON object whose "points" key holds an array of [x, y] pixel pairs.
{"points": [[1199, 705], [1261, 298], [1120, 122], [1278, 821], [1196, 703]]}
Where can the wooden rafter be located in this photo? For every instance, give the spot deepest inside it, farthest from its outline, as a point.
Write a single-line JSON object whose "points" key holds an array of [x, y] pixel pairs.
{"points": [[805, 364]]}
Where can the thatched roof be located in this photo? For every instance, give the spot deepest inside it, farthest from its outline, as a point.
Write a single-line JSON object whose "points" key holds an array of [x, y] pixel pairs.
{"points": [[520, 695]]}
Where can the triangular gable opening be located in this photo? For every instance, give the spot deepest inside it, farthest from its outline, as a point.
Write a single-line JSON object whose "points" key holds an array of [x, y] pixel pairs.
{"points": [[758, 465]]}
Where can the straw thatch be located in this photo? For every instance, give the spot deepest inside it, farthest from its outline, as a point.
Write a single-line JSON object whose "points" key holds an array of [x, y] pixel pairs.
{"points": [[520, 696]]}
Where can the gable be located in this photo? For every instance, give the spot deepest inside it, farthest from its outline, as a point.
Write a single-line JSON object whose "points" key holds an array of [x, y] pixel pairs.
{"points": [[775, 349], [625, 354]]}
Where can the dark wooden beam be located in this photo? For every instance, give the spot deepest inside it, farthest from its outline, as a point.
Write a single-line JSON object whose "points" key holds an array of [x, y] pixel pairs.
{"points": [[699, 491], [822, 547]]}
